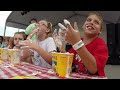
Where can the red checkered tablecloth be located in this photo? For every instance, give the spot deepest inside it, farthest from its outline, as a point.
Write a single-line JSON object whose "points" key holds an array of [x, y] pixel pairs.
{"points": [[26, 69]]}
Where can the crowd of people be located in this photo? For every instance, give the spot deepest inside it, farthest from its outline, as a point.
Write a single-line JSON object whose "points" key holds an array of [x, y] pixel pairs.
{"points": [[36, 43]]}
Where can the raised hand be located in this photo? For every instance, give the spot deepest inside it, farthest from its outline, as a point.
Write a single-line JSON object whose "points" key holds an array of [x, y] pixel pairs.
{"points": [[72, 35], [27, 44]]}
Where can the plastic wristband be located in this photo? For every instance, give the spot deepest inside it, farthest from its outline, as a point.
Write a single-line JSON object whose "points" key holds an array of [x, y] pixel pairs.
{"points": [[78, 45]]}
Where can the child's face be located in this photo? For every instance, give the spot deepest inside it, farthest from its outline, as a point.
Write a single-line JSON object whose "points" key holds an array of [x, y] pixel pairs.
{"points": [[92, 25], [17, 38], [6, 42], [33, 21], [43, 27]]}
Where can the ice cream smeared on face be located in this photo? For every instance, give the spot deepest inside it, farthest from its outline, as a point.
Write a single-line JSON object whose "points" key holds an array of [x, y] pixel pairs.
{"points": [[89, 27]]}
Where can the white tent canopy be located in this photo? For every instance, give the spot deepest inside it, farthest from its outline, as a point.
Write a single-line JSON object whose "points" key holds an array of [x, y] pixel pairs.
{"points": [[18, 20]]}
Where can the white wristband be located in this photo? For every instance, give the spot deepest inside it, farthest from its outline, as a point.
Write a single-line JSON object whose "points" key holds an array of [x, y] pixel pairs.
{"points": [[78, 45]]}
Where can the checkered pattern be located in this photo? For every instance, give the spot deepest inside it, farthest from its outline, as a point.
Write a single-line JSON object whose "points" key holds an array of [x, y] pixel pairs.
{"points": [[26, 69]]}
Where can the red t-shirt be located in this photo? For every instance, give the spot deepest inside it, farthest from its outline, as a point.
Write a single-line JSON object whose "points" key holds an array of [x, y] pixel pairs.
{"points": [[99, 50]]}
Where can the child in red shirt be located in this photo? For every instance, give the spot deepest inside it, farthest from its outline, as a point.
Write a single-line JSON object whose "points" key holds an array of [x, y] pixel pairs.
{"points": [[90, 53], [99, 50]]}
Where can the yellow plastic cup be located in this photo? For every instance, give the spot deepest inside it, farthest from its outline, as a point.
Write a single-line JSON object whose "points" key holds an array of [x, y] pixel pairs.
{"points": [[62, 63], [3, 53], [14, 56]]}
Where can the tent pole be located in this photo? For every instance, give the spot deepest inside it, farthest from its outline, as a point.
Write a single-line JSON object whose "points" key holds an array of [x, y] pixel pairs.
{"points": [[4, 30]]}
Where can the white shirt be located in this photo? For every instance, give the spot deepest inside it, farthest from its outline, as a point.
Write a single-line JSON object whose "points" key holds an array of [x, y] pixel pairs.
{"points": [[49, 46]]}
